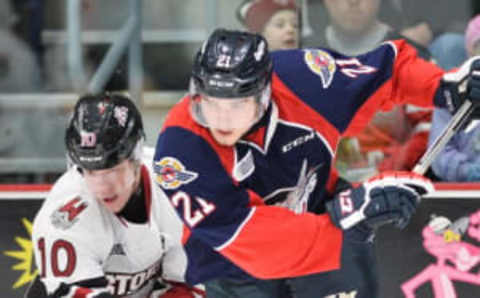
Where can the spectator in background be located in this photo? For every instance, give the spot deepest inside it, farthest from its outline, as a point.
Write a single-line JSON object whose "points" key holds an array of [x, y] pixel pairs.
{"points": [[18, 74], [436, 24], [277, 20], [448, 50], [472, 37], [393, 140], [354, 28], [460, 159], [18, 67]]}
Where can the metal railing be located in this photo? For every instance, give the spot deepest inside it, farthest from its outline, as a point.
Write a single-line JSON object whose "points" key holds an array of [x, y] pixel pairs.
{"points": [[128, 38]]}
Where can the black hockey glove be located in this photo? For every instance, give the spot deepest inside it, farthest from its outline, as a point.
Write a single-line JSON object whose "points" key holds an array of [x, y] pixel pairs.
{"points": [[463, 84], [391, 197]]}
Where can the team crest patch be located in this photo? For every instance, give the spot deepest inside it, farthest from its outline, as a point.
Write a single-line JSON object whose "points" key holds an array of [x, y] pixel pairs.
{"points": [[322, 64], [171, 173], [67, 215]]}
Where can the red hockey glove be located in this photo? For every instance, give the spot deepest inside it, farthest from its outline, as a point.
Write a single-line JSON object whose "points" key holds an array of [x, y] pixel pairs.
{"points": [[390, 197]]}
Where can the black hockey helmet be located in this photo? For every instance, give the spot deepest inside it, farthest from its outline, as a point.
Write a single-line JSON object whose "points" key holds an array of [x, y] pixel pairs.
{"points": [[232, 64], [103, 131]]}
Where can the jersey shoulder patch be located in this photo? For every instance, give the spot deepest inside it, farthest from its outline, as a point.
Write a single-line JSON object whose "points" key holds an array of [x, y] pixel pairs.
{"points": [[68, 207], [322, 64], [171, 173]]}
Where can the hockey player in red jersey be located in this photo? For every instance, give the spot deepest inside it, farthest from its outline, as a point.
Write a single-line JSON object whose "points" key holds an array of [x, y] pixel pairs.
{"points": [[105, 229], [246, 159]]}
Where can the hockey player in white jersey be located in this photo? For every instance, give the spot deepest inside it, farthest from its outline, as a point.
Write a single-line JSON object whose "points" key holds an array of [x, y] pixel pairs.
{"points": [[106, 230]]}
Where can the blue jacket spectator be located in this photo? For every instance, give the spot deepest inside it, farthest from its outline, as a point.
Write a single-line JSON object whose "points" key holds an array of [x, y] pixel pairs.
{"points": [[459, 161]]}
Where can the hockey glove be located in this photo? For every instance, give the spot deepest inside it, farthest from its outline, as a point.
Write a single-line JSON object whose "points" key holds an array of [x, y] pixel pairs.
{"points": [[463, 84], [391, 197]]}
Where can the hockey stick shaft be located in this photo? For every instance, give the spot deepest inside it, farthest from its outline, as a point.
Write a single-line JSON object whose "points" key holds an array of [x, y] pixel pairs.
{"points": [[452, 127]]}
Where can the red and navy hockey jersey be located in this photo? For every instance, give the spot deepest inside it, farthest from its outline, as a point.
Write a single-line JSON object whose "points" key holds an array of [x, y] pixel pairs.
{"points": [[254, 204]]}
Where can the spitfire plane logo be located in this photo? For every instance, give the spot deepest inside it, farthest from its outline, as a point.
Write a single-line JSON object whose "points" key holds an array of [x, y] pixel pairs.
{"points": [[171, 173], [322, 64]]}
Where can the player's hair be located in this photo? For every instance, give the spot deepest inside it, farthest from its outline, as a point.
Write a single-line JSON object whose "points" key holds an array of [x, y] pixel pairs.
{"points": [[104, 130]]}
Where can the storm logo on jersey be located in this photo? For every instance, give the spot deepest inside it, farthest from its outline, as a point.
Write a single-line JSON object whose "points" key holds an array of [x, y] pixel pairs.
{"points": [[127, 284], [171, 173]]}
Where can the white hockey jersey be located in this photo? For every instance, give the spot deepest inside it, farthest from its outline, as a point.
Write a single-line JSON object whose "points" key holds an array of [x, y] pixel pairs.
{"points": [[76, 238]]}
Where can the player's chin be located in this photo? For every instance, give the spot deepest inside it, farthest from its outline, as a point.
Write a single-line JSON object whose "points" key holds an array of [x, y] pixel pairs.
{"points": [[113, 204], [290, 44], [226, 139]]}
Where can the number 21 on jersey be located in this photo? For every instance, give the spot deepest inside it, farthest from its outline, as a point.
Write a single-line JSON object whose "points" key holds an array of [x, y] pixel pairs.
{"points": [[192, 216]]}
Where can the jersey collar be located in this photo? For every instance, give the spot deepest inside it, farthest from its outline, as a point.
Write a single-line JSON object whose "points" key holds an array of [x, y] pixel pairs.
{"points": [[261, 134]]}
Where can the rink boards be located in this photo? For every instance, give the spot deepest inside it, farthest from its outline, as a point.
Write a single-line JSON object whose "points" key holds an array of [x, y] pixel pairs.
{"points": [[402, 255]]}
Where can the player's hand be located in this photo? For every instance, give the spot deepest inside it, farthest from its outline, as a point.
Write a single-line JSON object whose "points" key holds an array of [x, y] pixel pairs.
{"points": [[390, 197], [463, 84]]}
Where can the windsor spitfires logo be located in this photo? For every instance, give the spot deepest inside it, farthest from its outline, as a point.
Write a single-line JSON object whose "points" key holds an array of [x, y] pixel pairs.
{"points": [[322, 64], [171, 173]]}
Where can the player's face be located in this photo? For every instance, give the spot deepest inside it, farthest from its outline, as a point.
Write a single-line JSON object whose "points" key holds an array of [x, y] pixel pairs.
{"points": [[281, 31], [113, 187], [353, 16], [228, 119]]}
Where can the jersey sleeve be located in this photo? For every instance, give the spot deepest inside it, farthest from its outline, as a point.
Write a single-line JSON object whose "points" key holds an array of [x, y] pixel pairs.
{"points": [[195, 175], [174, 261], [348, 91], [67, 248]]}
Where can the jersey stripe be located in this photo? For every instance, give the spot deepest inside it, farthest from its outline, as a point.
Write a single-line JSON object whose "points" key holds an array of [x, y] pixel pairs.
{"points": [[240, 227], [291, 106]]}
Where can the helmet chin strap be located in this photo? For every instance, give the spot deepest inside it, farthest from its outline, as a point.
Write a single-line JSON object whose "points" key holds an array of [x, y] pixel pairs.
{"points": [[136, 159], [258, 122], [135, 209], [265, 96], [135, 179]]}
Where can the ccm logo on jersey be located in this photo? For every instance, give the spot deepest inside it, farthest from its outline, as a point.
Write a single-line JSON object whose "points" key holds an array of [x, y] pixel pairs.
{"points": [[297, 142], [171, 173], [123, 284]]}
